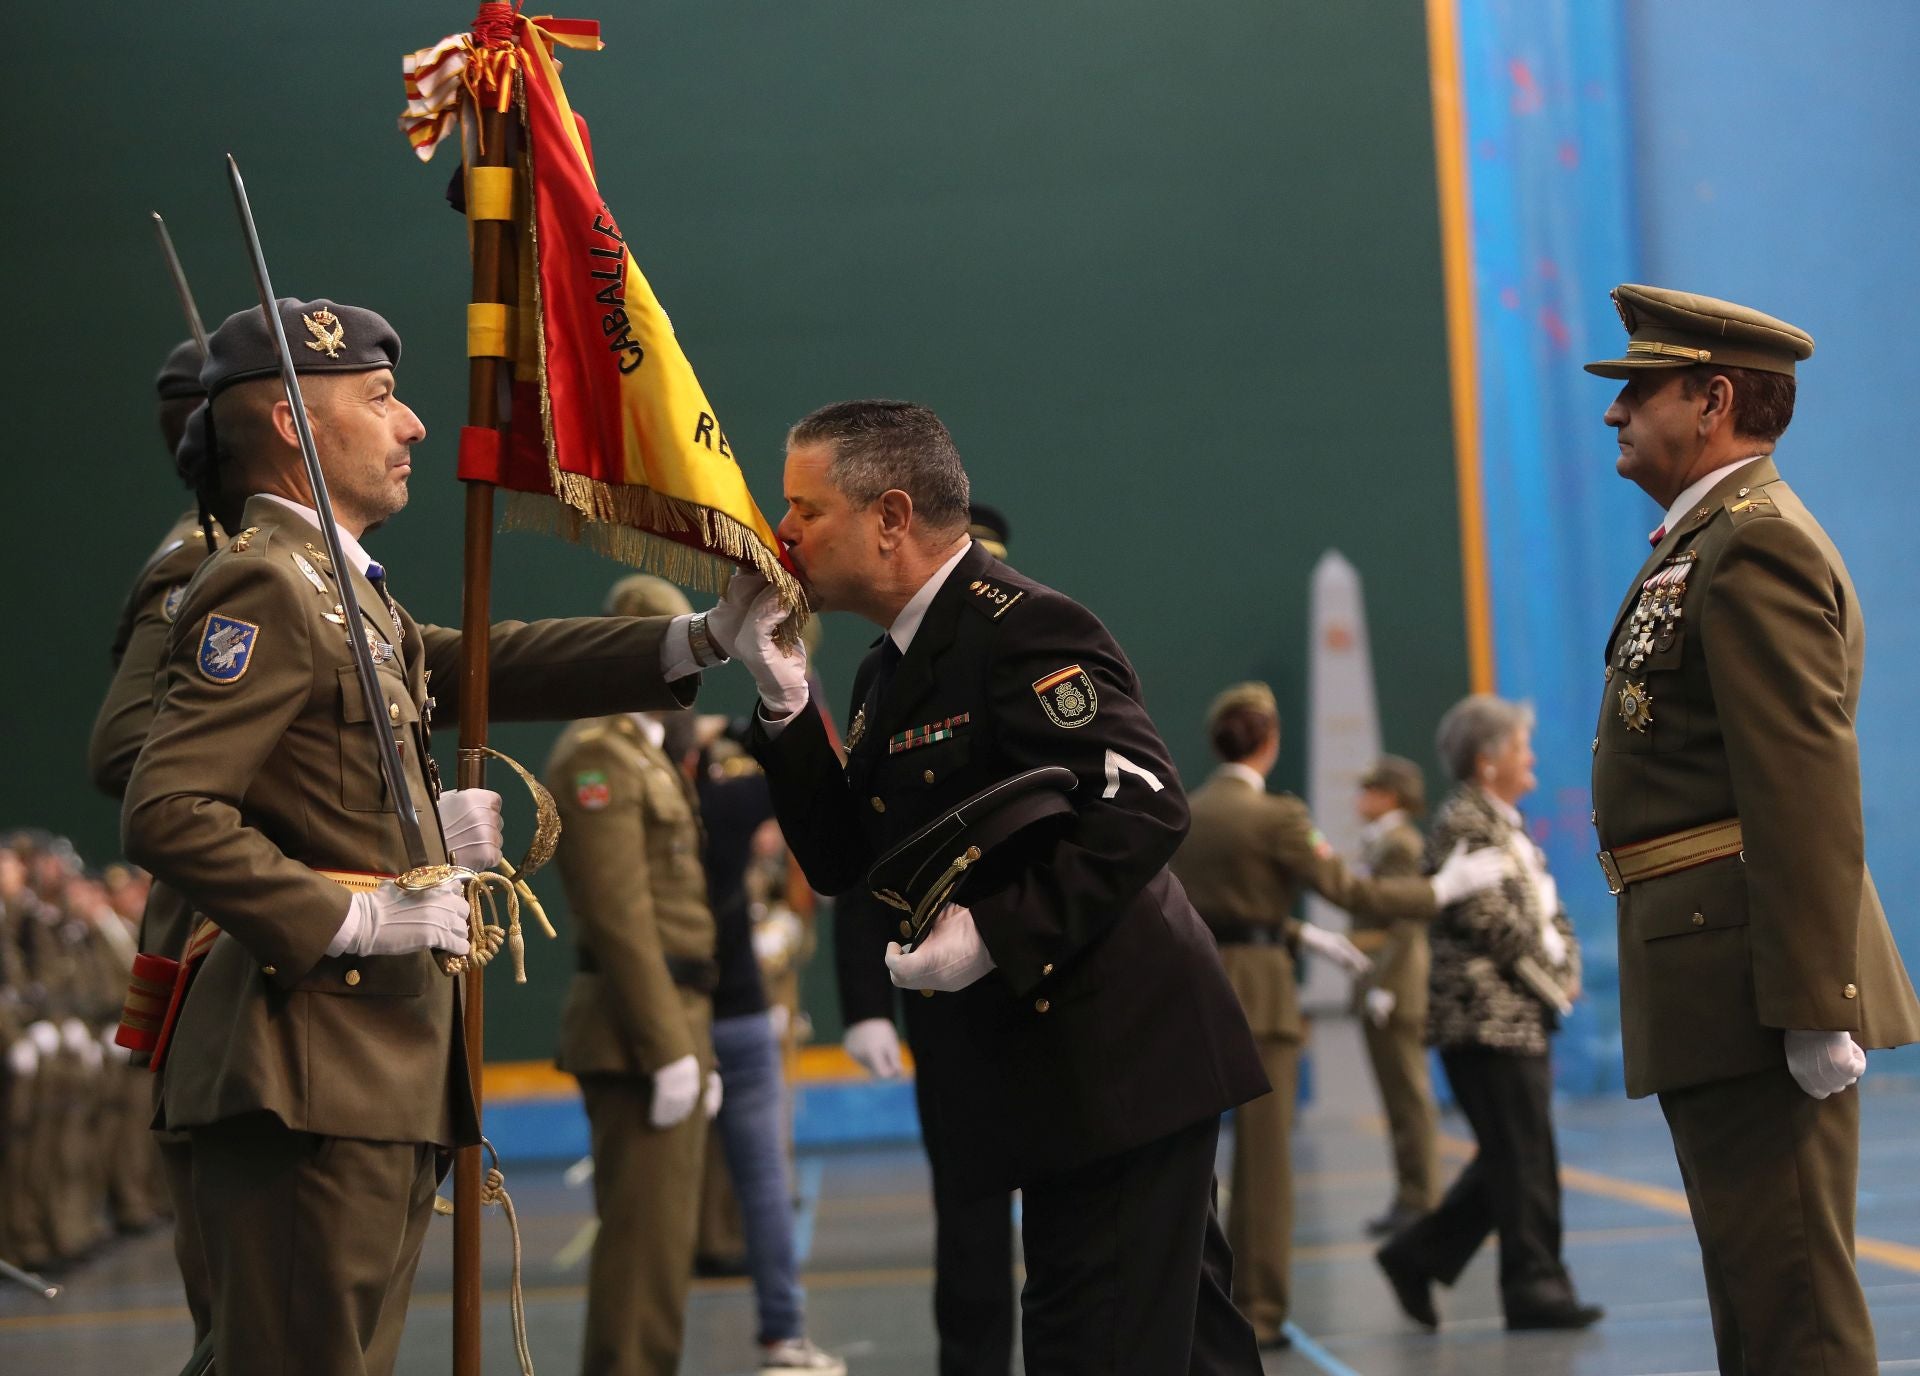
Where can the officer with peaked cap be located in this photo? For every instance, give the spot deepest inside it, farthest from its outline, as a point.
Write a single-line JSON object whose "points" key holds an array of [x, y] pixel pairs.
{"points": [[316, 1062], [1756, 966]]}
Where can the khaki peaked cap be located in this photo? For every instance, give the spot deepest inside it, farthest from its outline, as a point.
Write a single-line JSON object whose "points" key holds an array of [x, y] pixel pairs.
{"points": [[1677, 329]]}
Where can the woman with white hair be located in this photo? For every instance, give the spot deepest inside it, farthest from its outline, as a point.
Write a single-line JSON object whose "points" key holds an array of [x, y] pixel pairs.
{"points": [[1505, 967]]}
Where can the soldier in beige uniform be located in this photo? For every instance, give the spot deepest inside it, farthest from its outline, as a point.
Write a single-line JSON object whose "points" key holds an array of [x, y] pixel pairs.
{"points": [[317, 1061], [1245, 861], [1755, 961], [635, 1029], [1393, 995]]}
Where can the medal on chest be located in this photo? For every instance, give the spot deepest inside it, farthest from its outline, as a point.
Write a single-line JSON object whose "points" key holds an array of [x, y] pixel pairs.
{"points": [[858, 731], [1651, 627]]}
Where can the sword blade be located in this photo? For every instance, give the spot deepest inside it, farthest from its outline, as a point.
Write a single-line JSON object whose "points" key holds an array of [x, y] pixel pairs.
{"points": [[27, 1280], [349, 604], [180, 286]]}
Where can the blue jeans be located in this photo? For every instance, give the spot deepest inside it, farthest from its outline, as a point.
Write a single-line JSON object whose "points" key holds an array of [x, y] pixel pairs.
{"points": [[752, 1125]]}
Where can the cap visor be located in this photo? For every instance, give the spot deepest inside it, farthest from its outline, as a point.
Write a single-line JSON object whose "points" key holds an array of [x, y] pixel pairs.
{"points": [[1627, 367]]}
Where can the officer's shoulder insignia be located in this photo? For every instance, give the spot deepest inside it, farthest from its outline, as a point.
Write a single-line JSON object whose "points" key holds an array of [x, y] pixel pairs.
{"points": [[591, 789], [736, 767], [243, 542], [1067, 697], [170, 604], [226, 647], [992, 600], [1748, 503]]}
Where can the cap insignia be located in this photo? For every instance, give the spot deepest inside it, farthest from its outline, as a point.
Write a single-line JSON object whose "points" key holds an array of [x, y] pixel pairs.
{"points": [[327, 331]]}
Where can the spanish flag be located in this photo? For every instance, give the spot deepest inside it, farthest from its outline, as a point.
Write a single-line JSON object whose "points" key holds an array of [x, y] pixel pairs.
{"points": [[611, 440]]}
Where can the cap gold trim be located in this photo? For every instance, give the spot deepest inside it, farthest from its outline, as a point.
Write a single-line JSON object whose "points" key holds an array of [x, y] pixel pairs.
{"points": [[1651, 346]]}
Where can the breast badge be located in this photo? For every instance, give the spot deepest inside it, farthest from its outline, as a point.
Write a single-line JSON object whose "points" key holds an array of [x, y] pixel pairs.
{"points": [[308, 572], [226, 647], [1636, 706], [858, 731], [1067, 697], [170, 604]]}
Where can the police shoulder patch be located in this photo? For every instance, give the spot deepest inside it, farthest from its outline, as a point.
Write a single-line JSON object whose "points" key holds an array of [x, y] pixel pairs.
{"points": [[992, 600], [591, 789], [1067, 696], [170, 604], [226, 648]]}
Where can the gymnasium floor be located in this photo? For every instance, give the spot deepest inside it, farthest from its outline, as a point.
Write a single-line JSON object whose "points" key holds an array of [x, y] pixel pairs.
{"points": [[867, 1231]]}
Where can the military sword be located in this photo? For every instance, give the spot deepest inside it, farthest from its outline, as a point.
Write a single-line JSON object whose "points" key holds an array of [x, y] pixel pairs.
{"points": [[27, 1280], [180, 287], [420, 874]]}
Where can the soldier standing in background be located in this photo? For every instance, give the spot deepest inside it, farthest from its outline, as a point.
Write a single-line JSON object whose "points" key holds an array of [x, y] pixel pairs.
{"points": [[1393, 994], [1245, 861]]}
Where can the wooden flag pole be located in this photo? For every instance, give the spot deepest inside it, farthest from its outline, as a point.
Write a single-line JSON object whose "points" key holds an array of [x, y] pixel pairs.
{"points": [[488, 375]]}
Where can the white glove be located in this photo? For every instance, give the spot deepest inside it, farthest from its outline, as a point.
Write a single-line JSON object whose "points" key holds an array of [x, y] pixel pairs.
{"points": [[46, 1037], [875, 1044], [778, 1018], [1824, 1063], [710, 1101], [676, 1090], [777, 938], [1465, 875], [390, 922], [729, 614], [1380, 1004], [23, 1059], [74, 1033], [1335, 947], [950, 957], [470, 820], [1552, 945], [780, 675]]}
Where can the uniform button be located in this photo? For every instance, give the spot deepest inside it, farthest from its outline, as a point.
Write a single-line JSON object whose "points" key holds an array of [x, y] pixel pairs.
{"points": [[1045, 970], [926, 993], [1850, 992], [928, 776], [353, 977], [879, 804], [906, 929], [269, 970], [1743, 492], [393, 712], [1041, 1005], [1699, 919]]}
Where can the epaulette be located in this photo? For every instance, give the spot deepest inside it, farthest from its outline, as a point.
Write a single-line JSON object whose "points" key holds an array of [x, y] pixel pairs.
{"points": [[735, 767], [1750, 502], [252, 540], [992, 600]]}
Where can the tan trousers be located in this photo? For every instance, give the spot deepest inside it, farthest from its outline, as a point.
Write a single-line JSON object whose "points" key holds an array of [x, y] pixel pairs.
{"points": [[1771, 1176], [1260, 1213], [646, 1188], [311, 1246], [1400, 1070]]}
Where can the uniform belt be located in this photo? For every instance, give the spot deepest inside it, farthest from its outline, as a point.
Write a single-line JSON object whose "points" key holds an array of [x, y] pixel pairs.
{"points": [[1250, 934], [1663, 855], [697, 973]]}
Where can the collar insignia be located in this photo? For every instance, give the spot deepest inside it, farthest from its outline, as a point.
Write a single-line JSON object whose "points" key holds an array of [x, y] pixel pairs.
{"points": [[327, 331]]}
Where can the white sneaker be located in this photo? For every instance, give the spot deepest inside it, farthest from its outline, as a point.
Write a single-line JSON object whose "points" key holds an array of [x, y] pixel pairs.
{"points": [[798, 1354]]}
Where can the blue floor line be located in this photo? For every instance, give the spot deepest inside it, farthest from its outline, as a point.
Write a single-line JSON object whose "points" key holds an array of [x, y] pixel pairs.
{"points": [[1318, 1355], [813, 1169]]}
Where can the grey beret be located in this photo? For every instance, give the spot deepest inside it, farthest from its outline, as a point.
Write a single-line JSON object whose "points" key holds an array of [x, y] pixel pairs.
{"points": [[179, 376], [325, 336]]}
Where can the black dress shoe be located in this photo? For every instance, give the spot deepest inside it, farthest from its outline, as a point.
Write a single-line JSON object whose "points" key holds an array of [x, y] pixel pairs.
{"points": [[1277, 1341], [1412, 1287], [1568, 1315], [1394, 1220]]}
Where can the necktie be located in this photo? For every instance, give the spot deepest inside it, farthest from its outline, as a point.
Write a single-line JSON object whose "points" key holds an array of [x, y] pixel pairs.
{"points": [[890, 657]]}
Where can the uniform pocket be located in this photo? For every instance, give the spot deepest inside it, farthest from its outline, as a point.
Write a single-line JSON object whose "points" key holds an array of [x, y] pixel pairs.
{"points": [[363, 788], [1707, 898]]}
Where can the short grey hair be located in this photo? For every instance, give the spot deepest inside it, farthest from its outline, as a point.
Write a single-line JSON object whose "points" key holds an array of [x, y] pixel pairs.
{"points": [[879, 446], [1476, 726]]}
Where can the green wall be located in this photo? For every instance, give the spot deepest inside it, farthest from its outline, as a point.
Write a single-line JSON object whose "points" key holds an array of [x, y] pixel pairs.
{"points": [[1169, 272]]}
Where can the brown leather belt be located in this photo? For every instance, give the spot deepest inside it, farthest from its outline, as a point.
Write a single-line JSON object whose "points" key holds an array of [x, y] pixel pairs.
{"points": [[1663, 855]]}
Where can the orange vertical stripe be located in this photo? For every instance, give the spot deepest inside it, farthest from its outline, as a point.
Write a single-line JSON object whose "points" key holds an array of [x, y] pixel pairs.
{"points": [[1463, 364]]}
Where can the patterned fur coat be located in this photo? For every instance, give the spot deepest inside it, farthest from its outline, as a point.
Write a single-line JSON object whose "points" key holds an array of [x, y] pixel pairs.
{"points": [[1476, 998]]}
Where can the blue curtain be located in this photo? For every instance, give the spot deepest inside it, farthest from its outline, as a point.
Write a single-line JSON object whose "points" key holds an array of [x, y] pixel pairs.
{"points": [[1548, 155]]}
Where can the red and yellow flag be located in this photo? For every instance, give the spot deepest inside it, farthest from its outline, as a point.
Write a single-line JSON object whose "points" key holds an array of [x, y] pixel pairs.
{"points": [[611, 441]]}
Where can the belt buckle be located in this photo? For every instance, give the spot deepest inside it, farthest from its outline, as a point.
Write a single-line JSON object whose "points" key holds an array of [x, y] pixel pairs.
{"points": [[1615, 885]]}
